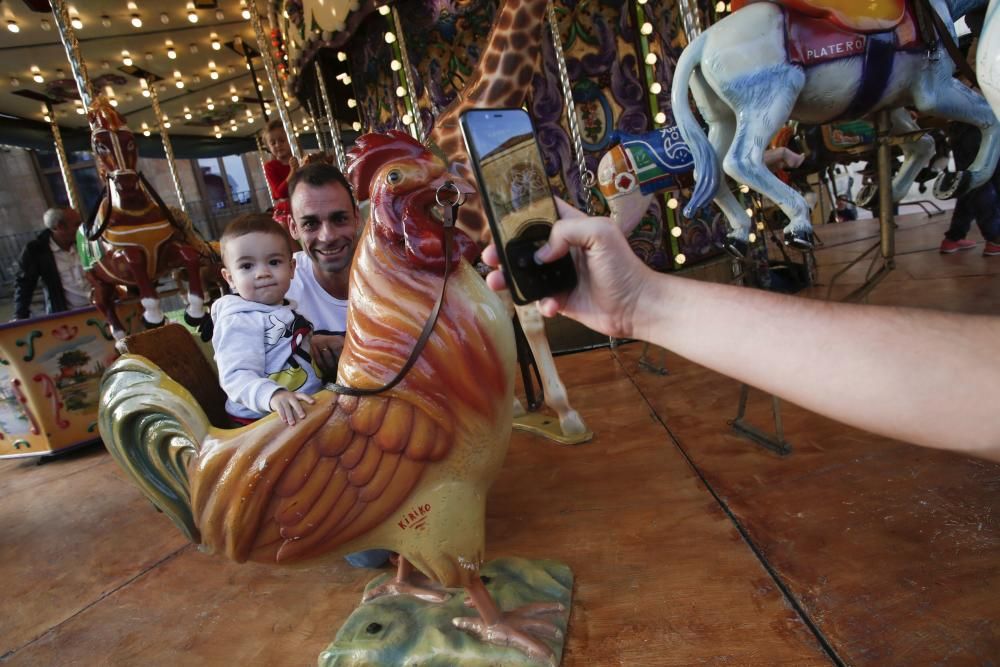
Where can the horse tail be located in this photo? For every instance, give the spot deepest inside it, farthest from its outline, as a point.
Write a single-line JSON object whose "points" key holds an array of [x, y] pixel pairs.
{"points": [[706, 164]]}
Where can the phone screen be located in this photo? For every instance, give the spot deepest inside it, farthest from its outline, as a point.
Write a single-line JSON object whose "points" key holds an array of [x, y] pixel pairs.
{"points": [[517, 198]]}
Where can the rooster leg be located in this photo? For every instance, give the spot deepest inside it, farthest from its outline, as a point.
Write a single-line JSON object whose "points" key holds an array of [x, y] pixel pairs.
{"points": [[518, 629], [408, 582]]}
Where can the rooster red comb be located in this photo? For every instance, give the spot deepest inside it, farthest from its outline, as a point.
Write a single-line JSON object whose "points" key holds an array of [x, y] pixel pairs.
{"points": [[372, 151]]}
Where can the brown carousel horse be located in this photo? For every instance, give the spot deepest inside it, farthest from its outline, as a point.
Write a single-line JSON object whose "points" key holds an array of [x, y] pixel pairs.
{"points": [[132, 239]]}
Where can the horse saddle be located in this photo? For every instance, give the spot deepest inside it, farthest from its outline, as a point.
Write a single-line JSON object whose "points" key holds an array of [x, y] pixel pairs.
{"points": [[859, 16], [648, 161]]}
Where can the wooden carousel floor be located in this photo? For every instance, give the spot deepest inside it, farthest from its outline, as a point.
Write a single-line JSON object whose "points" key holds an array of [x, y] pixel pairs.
{"points": [[689, 544]]}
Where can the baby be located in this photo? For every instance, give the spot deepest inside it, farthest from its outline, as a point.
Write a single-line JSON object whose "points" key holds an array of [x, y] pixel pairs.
{"points": [[261, 344]]}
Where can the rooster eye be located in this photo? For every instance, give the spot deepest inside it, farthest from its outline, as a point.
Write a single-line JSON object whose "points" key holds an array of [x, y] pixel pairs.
{"points": [[394, 177]]}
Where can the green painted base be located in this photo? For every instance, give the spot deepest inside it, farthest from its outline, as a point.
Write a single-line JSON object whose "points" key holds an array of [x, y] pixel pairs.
{"points": [[404, 630]]}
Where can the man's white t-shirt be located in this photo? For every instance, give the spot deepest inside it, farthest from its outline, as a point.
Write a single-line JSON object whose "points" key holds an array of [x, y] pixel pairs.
{"points": [[75, 286], [325, 312]]}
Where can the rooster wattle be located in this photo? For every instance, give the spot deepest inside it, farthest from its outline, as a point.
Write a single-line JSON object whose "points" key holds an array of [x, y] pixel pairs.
{"points": [[407, 469]]}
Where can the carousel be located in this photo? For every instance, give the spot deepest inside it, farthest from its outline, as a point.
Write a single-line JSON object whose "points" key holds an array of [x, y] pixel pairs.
{"points": [[549, 494]]}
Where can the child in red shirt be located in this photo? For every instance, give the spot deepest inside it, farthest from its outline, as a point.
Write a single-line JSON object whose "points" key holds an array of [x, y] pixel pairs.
{"points": [[279, 170]]}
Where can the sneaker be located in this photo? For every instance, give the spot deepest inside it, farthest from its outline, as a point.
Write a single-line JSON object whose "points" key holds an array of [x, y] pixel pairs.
{"points": [[991, 249], [948, 246]]}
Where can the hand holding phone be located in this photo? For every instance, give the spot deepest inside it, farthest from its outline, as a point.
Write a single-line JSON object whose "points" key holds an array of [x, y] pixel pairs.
{"points": [[517, 200]]}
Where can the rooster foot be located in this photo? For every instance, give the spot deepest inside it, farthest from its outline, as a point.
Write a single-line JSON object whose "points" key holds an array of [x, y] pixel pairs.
{"points": [[519, 629], [409, 582]]}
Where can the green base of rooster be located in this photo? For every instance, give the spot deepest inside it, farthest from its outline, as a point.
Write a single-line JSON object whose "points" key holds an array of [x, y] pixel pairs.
{"points": [[403, 630]]}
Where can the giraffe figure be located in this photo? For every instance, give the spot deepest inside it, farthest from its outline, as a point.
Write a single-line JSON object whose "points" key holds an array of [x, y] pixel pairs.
{"points": [[501, 79]]}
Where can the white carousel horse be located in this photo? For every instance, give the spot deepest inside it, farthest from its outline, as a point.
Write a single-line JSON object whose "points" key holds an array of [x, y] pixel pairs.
{"points": [[746, 86], [988, 56]]}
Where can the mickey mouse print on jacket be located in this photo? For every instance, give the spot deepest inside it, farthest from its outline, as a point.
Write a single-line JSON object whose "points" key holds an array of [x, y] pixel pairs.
{"points": [[259, 349]]}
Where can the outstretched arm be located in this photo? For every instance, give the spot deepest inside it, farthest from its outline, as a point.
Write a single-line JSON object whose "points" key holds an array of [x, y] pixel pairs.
{"points": [[916, 375]]}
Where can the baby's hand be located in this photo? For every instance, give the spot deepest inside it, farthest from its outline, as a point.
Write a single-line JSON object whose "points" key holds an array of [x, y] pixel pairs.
{"points": [[287, 405]]}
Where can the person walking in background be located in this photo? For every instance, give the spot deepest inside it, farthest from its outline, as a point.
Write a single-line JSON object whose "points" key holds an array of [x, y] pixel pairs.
{"points": [[279, 170], [51, 256], [981, 204]]}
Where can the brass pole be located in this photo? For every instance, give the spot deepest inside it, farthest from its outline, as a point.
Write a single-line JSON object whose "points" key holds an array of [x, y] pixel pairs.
{"points": [[888, 223], [74, 199], [338, 145], [272, 78], [260, 156], [68, 37], [168, 148], [408, 74], [320, 141]]}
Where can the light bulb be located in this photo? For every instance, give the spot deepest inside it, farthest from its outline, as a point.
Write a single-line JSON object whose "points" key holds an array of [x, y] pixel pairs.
{"points": [[384, 10], [680, 258], [647, 28], [235, 98], [192, 16], [13, 27], [48, 118], [676, 232], [744, 189], [347, 80], [166, 124], [126, 58], [660, 118], [76, 23], [218, 135], [351, 103], [215, 42], [192, 47], [720, 7], [219, 16], [650, 58], [136, 21], [246, 14], [395, 65], [213, 74], [357, 126], [400, 91], [38, 77], [341, 56], [210, 106], [14, 82], [79, 110], [164, 18], [407, 119], [46, 26], [655, 88], [752, 238], [389, 38], [132, 6], [148, 56], [171, 53], [114, 102], [672, 203]]}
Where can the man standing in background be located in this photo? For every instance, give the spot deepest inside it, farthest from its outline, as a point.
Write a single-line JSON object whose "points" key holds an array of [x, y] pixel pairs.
{"points": [[51, 256]]}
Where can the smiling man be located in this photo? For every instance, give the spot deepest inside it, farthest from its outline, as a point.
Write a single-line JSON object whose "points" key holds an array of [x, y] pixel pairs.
{"points": [[325, 223]]}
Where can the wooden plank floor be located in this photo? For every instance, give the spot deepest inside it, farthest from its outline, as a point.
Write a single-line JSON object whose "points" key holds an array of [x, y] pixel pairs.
{"points": [[689, 545]]}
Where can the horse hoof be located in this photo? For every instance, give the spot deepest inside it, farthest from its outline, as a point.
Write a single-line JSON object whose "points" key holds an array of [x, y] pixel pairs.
{"points": [[799, 240], [952, 184], [868, 195], [152, 325], [735, 247]]}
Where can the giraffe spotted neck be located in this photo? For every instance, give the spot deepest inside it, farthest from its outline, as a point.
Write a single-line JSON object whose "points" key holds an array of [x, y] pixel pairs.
{"points": [[502, 78]]}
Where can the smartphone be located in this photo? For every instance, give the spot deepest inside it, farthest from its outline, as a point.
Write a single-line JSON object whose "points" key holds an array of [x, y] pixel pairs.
{"points": [[517, 199]]}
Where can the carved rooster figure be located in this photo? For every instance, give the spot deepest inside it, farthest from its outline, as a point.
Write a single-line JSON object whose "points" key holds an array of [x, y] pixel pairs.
{"points": [[406, 470]]}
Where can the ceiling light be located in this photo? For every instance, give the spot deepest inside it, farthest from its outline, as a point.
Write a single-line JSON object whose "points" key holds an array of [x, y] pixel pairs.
{"points": [[356, 126], [14, 82], [351, 103], [341, 56], [105, 20], [171, 53], [61, 74], [166, 124], [126, 58], [164, 18], [246, 14], [114, 102], [213, 74], [148, 55], [219, 16], [249, 113], [136, 21], [13, 27], [46, 26], [105, 64], [47, 118], [131, 5], [215, 42], [37, 75], [235, 97], [209, 104], [347, 80], [196, 79], [384, 10], [192, 47], [79, 110], [192, 16], [76, 23]]}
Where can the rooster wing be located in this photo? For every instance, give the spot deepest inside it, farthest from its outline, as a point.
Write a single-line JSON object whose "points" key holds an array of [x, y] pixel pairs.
{"points": [[270, 493]]}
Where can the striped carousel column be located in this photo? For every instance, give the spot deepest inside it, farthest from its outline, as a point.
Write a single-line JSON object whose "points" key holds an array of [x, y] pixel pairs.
{"points": [[71, 195], [272, 79]]}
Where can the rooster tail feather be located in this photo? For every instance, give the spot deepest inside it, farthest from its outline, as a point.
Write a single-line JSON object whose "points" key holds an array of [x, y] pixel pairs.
{"points": [[153, 428]]}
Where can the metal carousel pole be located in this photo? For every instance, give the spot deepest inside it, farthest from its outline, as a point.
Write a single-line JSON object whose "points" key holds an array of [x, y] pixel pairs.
{"points": [[71, 195], [314, 121], [272, 79], [260, 156], [338, 145], [168, 148], [68, 37]]}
